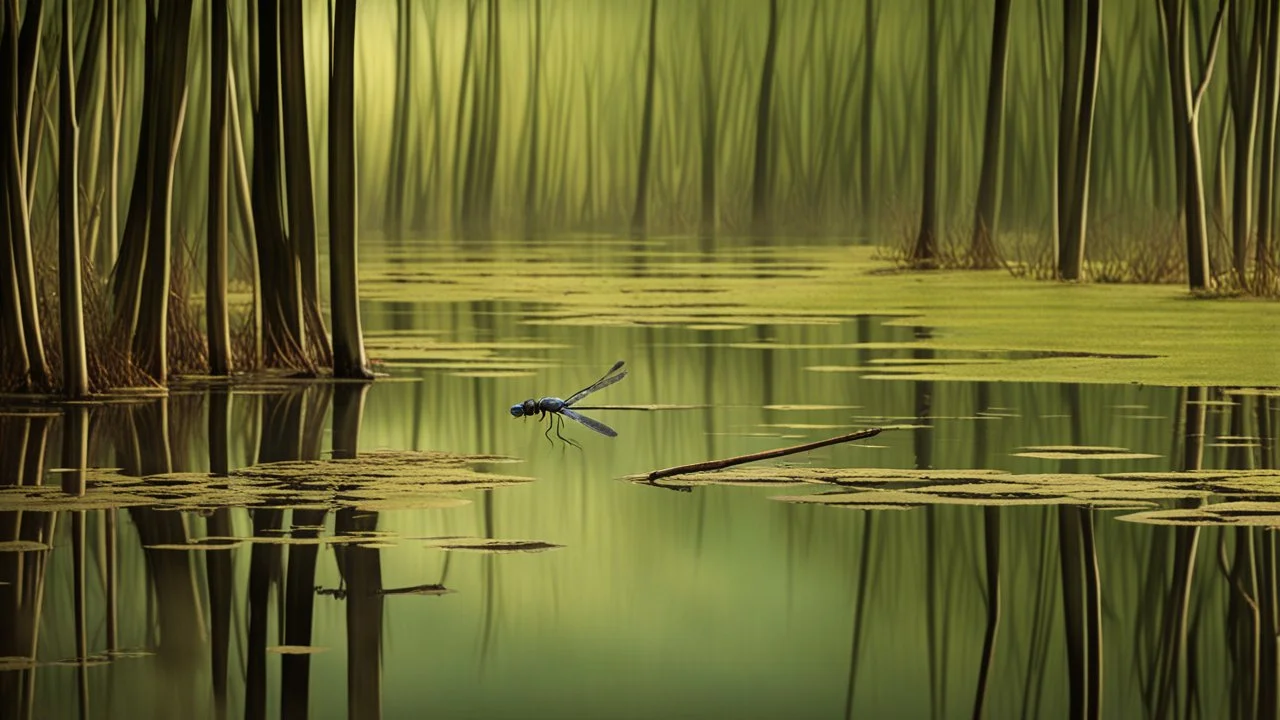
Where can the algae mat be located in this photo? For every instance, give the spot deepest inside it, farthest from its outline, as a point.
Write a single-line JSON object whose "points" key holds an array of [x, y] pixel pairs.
{"points": [[1061, 332]]}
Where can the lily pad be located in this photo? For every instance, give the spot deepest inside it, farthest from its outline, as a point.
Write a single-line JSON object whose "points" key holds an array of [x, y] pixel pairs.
{"points": [[490, 545]]}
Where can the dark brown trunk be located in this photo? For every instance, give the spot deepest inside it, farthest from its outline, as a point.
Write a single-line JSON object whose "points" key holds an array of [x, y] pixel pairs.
{"points": [[640, 216], [75, 372], [925, 252], [982, 249], [216, 320], [761, 178]]}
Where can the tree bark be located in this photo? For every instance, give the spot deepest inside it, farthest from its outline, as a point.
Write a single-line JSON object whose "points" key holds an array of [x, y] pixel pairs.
{"points": [[75, 373], [982, 249], [1068, 119], [710, 118], [866, 158], [298, 179], [531, 171], [640, 217], [217, 324], [344, 290], [1267, 171], [1071, 253], [1245, 40], [19, 158], [925, 251], [761, 220]]}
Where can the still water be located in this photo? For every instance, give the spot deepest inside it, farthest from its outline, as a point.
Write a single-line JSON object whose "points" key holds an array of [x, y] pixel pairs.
{"points": [[627, 600]]}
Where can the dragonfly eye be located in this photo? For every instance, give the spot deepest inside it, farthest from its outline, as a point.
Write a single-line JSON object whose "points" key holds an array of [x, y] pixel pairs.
{"points": [[517, 410]]}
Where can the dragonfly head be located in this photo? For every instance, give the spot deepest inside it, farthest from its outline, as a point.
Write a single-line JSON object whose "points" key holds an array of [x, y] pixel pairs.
{"points": [[517, 410]]}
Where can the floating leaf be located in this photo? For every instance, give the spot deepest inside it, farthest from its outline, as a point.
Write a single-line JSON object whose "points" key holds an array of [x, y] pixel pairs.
{"points": [[296, 649], [489, 545]]}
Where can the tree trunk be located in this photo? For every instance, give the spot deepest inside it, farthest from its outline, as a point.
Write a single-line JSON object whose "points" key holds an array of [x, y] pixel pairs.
{"points": [[297, 171], [216, 321], [1245, 40], [531, 176], [1068, 118], [925, 251], [761, 178], [14, 362], [982, 249], [344, 290], [868, 105], [75, 373], [150, 340], [89, 77], [640, 217], [1267, 172], [710, 117], [284, 329], [393, 209], [19, 157], [1071, 252], [126, 278]]}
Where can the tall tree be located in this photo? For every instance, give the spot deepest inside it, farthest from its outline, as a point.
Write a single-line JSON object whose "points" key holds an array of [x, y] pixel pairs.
{"points": [[284, 327], [150, 339], [23, 39], [710, 118], [640, 216], [1082, 49], [344, 289], [297, 173], [870, 27], [761, 177], [531, 175], [217, 324], [1177, 28], [397, 175], [75, 372], [926, 248], [1270, 74], [982, 249], [1246, 36]]}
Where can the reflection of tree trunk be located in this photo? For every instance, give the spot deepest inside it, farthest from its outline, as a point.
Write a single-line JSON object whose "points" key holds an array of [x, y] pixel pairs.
{"points": [[761, 177], [75, 370], [991, 533], [264, 568], [362, 573], [640, 217], [982, 249], [865, 581], [299, 606], [349, 359]]}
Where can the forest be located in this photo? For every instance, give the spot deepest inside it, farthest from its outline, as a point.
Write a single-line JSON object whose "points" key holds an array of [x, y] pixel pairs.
{"points": [[173, 170]]}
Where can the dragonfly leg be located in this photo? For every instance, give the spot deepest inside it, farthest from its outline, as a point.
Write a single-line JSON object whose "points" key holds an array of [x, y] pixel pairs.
{"points": [[559, 425]]}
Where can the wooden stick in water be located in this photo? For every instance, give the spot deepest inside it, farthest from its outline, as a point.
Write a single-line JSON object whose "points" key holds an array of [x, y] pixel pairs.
{"points": [[766, 455]]}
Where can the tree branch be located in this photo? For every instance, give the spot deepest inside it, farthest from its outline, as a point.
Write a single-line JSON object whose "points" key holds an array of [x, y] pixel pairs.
{"points": [[1213, 54]]}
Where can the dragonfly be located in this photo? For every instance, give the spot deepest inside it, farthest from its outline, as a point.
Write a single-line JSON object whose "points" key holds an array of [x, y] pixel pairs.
{"points": [[557, 409]]}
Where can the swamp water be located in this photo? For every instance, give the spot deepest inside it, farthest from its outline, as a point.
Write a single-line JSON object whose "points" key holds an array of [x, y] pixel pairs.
{"points": [[416, 551]]}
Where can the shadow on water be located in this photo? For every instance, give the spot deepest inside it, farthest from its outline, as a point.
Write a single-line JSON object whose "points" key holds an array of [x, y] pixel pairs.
{"points": [[1002, 549]]}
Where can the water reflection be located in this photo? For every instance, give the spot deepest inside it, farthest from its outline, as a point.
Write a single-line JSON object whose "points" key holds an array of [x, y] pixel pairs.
{"points": [[729, 602]]}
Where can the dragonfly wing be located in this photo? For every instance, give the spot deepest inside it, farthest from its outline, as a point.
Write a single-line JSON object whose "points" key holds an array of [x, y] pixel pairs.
{"points": [[605, 381], [591, 423]]}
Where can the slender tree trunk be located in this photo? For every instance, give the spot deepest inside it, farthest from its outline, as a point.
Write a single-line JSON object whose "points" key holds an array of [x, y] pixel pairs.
{"points": [[344, 289], [150, 340], [640, 217], [75, 373], [1187, 122], [761, 178], [284, 328], [531, 176], [89, 78], [1270, 74], [871, 22], [925, 251], [1068, 120], [115, 94], [393, 208], [1071, 257], [982, 249], [28, 55], [710, 118], [14, 363], [1246, 37], [298, 180], [216, 320]]}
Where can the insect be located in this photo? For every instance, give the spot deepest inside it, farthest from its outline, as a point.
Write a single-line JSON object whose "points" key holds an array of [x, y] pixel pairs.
{"points": [[557, 409]]}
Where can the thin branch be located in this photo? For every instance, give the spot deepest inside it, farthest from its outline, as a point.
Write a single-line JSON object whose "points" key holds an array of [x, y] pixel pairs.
{"points": [[766, 455]]}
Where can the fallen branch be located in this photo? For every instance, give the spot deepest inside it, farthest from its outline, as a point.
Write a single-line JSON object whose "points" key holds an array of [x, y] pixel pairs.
{"points": [[766, 455]]}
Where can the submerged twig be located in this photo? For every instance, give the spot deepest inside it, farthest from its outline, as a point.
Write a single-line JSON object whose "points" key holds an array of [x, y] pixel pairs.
{"points": [[766, 455]]}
